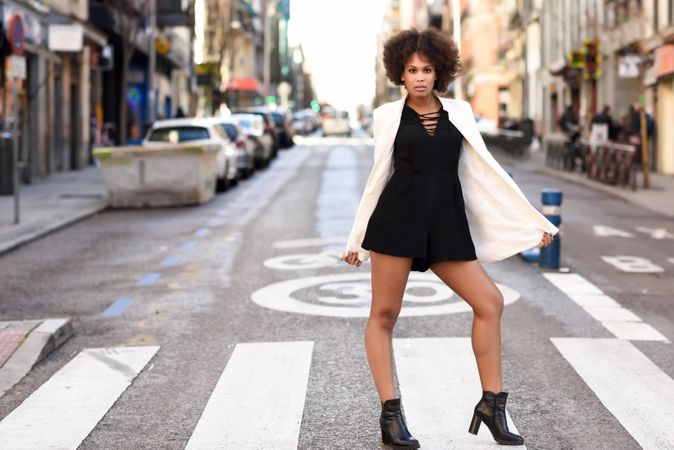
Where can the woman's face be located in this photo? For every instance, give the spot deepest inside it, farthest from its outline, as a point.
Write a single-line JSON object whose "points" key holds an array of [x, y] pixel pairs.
{"points": [[419, 76]]}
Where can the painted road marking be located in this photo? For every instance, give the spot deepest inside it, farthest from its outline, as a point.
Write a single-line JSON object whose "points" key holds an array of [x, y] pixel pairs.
{"points": [[64, 410], [439, 388], [656, 233], [117, 307], [603, 230], [258, 400], [148, 279], [189, 245], [633, 264], [311, 242], [201, 232], [620, 321], [170, 261], [350, 296], [303, 261], [636, 391]]}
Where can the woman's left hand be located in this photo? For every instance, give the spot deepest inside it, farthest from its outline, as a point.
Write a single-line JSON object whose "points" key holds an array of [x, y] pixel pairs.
{"points": [[546, 240]]}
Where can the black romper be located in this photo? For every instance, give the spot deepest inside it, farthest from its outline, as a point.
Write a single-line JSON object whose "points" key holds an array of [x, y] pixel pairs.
{"points": [[421, 212]]}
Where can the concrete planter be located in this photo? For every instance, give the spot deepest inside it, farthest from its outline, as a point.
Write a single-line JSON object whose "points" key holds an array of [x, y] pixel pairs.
{"points": [[159, 175]]}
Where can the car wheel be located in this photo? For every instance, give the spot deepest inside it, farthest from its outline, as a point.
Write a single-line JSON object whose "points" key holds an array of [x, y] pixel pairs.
{"points": [[221, 184]]}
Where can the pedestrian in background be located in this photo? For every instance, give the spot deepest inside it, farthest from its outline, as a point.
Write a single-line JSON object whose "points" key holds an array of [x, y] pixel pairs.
{"points": [[412, 216]]}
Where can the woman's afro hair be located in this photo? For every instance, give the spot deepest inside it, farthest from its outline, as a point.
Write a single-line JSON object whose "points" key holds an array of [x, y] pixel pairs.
{"points": [[434, 45]]}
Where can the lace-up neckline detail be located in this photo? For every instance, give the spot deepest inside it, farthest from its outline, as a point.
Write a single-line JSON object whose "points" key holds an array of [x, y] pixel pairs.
{"points": [[428, 120]]}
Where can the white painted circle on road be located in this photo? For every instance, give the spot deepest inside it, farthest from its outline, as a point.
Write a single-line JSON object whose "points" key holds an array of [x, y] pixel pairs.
{"points": [[349, 295]]}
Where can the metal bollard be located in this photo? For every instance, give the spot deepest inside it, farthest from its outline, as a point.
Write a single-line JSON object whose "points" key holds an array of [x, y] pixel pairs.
{"points": [[552, 201]]}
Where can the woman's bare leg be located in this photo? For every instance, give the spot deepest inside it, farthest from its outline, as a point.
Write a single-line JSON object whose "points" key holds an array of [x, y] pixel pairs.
{"points": [[470, 281], [389, 278]]}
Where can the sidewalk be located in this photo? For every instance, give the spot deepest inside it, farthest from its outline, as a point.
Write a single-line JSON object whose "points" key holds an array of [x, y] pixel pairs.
{"points": [[659, 197], [47, 205], [24, 343]]}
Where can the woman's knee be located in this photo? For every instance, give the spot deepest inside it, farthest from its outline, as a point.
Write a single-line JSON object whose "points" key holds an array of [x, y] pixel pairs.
{"points": [[385, 317], [490, 306]]}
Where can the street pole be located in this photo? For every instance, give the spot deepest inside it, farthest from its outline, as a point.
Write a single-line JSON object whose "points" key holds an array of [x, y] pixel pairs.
{"points": [[456, 22], [270, 10], [15, 149], [645, 161], [152, 56]]}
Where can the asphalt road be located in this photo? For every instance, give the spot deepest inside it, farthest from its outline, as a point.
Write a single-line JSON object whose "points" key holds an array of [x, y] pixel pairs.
{"points": [[234, 325]]}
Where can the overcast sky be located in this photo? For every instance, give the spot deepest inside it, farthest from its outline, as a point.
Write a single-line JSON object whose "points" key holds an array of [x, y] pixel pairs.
{"points": [[339, 39]]}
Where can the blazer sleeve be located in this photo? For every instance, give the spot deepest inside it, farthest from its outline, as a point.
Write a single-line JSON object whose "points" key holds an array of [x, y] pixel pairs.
{"points": [[373, 188], [539, 218]]}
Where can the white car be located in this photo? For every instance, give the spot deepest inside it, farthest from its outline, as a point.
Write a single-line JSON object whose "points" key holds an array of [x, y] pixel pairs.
{"points": [[334, 121], [245, 160], [196, 129], [263, 142]]}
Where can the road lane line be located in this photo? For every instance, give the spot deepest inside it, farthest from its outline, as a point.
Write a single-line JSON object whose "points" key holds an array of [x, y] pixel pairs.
{"points": [[621, 322], [439, 388], [258, 400], [148, 279], [117, 307], [636, 391], [170, 260], [187, 245], [64, 410]]}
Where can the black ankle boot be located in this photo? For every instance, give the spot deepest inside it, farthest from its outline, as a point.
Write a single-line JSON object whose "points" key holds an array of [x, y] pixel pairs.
{"points": [[393, 426], [491, 410]]}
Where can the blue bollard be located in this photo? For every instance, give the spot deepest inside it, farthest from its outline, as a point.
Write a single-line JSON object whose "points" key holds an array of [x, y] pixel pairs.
{"points": [[552, 201]]}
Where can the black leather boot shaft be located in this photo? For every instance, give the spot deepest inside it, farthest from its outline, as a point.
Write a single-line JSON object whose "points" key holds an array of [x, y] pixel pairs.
{"points": [[491, 410], [393, 426]]}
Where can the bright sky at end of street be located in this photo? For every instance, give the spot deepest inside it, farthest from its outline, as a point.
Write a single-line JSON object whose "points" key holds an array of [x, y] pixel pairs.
{"points": [[340, 46]]}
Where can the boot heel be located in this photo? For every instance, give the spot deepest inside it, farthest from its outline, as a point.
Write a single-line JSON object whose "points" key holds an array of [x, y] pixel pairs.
{"points": [[385, 438], [474, 424]]}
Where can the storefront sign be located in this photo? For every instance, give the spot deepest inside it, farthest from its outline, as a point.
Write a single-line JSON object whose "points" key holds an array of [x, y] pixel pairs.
{"points": [[66, 38], [629, 66]]}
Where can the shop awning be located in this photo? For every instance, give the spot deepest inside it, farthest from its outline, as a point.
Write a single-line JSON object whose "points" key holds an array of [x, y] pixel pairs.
{"points": [[248, 84], [664, 60]]}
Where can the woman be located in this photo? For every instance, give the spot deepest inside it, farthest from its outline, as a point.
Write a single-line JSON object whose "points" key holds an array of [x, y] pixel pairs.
{"points": [[412, 216]]}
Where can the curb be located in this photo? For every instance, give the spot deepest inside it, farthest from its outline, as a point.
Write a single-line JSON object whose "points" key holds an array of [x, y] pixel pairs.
{"points": [[602, 188], [46, 337], [49, 227]]}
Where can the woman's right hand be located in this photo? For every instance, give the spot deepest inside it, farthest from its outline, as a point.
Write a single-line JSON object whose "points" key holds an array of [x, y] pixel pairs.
{"points": [[352, 258]]}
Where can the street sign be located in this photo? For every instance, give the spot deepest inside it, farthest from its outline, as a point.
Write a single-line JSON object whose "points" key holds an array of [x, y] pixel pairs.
{"points": [[19, 67], [16, 34]]}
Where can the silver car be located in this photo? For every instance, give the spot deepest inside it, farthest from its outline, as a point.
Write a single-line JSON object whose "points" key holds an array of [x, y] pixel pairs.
{"points": [[263, 143]]}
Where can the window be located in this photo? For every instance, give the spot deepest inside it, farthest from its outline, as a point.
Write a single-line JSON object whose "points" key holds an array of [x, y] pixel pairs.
{"points": [[231, 130], [179, 134]]}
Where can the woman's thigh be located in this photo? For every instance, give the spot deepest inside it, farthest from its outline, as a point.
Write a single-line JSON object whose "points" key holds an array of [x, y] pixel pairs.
{"points": [[470, 281], [389, 277]]}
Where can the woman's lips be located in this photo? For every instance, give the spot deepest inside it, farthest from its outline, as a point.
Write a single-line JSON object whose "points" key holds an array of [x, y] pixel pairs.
{"points": [[419, 88]]}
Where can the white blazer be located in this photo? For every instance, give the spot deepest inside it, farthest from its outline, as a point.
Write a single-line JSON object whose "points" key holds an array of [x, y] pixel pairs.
{"points": [[501, 220]]}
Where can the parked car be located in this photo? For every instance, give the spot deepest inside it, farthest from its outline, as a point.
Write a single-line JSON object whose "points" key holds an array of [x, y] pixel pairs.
{"points": [[263, 142], [269, 124], [334, 121], [303, 122], [194, 129], [245, 161], [283, 122]]}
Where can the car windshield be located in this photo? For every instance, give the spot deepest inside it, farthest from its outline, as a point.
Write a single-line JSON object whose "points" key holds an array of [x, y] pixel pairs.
{"points": [[231, 130], [179, 134]]}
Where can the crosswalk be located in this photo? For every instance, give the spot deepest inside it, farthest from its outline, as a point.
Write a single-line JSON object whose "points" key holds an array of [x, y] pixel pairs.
{"points": [[258, 401]]}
